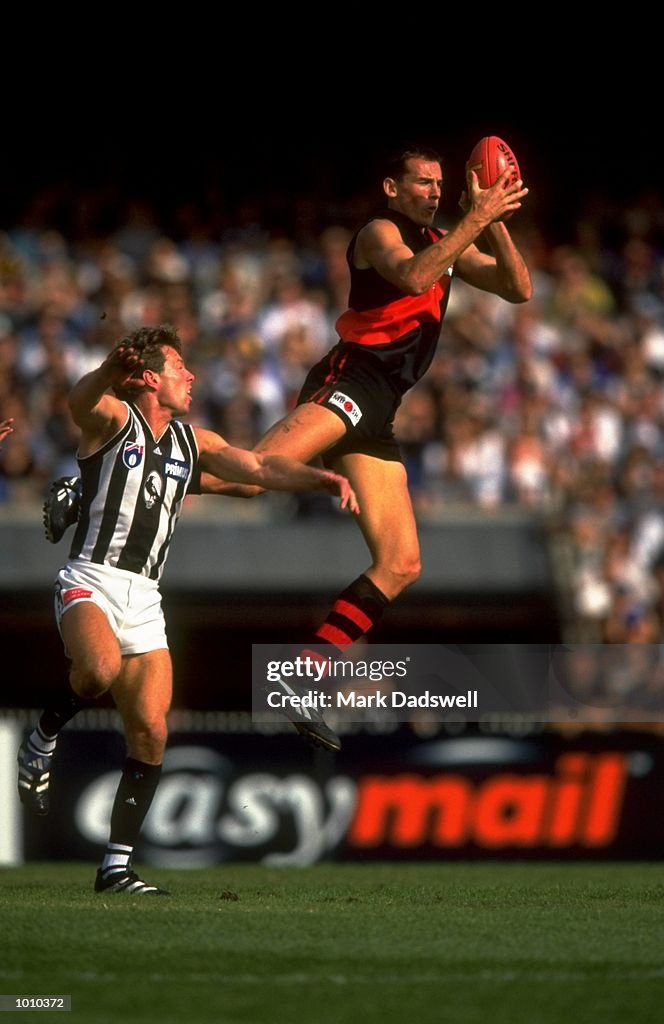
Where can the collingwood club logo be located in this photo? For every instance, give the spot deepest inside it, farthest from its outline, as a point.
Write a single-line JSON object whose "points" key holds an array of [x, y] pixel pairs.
{"points": [[152, 489]]}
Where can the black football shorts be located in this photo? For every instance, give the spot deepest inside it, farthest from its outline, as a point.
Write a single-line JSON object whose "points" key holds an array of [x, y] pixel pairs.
{"points": [[352, 384]]}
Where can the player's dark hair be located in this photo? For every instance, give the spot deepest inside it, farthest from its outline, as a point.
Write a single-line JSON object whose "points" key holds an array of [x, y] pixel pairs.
{"points": [[395, 165], [148, 343]]}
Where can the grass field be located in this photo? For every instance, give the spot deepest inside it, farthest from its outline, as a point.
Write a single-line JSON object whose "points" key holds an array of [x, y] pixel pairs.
{"points": [[365, 943]]}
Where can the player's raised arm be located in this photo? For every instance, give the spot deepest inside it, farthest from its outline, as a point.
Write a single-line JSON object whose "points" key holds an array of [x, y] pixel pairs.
{"points": [[492, 166], [273, 472], [98, 413], [504, 273]]}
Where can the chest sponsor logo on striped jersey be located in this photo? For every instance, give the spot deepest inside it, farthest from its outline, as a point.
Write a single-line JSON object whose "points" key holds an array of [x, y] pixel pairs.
{"points": [[347, 405], [132, 454], [177, 468]]}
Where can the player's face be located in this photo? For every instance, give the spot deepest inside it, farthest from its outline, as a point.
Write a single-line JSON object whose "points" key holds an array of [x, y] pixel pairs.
{"points": [[417, 192], [175, 382]]}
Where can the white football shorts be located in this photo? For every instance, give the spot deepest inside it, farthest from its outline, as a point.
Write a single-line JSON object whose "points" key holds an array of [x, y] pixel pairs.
{"points": [[131, 603]]}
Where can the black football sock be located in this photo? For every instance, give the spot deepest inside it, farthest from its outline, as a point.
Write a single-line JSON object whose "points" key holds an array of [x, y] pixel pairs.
{"points": [[65, 706], [132, 802], [355, 611], [43, 739]]}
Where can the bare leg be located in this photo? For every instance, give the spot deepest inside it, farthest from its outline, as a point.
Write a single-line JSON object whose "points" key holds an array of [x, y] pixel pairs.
{"points": [[388, 525], [142, 694], [386, 519], [93, 649], [386, 514], [141, 686], [307, 431]]}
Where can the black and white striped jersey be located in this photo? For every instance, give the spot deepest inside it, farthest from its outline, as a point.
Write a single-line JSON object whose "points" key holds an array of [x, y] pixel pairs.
{"points": [[133, 489]]}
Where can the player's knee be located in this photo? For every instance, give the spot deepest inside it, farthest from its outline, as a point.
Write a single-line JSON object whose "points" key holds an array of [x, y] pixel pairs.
{"points": [[90, 682], [405, 571], [411, 571], [146, 737]]}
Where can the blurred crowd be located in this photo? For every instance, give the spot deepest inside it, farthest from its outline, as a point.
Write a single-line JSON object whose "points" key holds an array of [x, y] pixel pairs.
{"points": [[556, 405]]}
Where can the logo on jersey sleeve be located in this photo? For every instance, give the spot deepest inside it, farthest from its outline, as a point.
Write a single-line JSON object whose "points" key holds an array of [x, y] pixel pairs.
{"points": [[347, 405], [132, 454]]}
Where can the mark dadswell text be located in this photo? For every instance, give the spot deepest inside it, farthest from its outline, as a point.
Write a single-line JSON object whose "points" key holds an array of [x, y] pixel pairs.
{"points": [[351, 699]]}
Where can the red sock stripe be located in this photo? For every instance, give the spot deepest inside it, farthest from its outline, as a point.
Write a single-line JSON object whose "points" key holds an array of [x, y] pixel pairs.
{"points": [[334, 635], [352, 612]]}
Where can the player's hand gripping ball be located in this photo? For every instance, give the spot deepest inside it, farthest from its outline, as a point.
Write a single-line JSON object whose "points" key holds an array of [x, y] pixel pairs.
{"points": [[489, 158]]}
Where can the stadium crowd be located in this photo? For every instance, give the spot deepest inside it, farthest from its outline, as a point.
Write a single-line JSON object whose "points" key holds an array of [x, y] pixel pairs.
{"points": [[556, 405]]}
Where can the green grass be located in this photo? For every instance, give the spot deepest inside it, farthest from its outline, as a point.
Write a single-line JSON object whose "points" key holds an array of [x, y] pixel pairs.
{"points": [[363, 943]]}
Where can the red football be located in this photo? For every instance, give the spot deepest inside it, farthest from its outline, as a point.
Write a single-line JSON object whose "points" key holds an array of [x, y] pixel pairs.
{"points": [[489, 158]]}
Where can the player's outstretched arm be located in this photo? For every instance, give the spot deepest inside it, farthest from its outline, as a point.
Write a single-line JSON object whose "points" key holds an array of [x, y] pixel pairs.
{"points": [[272, 472], [213, 485]]}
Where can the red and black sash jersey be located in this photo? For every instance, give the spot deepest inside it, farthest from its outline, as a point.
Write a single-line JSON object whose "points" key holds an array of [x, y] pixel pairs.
{"points": [[400, 330]]}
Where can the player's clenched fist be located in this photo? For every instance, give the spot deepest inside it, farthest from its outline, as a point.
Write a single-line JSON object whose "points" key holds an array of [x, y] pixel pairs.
{"points": [[123, 367]]}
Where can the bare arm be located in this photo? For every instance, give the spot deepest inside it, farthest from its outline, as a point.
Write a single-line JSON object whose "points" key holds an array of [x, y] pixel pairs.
{"points": [[380, 245], [99, 414], [505, 273], [273, 472], [213, 485]]}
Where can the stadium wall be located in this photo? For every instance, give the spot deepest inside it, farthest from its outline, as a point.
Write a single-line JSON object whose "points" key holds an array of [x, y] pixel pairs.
{"points": [[462, 552]]}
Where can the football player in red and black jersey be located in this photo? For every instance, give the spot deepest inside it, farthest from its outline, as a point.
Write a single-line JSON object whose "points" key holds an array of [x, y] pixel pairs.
{"points": [[401, 268]]}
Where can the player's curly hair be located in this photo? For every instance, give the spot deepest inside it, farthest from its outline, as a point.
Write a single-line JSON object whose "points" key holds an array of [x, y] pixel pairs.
{"points": [[148, 343]]}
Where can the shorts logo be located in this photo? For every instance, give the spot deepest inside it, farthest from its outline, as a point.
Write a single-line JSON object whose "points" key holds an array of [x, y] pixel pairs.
{"points": [[347, 405], [132, 454], [75, 594]]}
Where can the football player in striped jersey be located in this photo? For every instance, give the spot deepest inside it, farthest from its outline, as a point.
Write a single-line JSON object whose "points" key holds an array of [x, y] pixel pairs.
{"points": [[137, 462]]}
